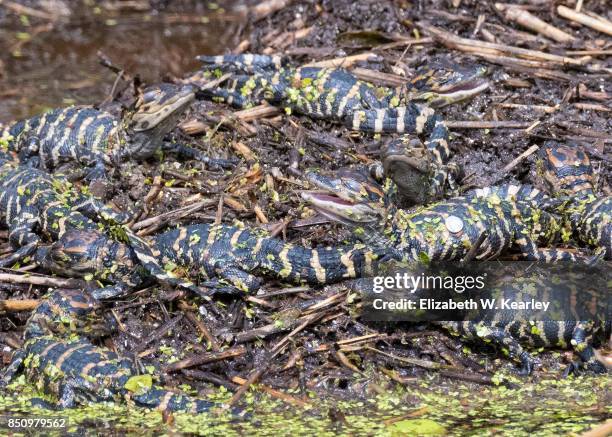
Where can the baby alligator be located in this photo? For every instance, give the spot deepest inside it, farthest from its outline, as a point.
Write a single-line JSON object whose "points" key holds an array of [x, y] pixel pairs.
{"points": [[95, 138], [37, 207], [569, 174], [510, 329], [35, 204], [336, 94], [74, 371], [231, 253], [484, 223]]}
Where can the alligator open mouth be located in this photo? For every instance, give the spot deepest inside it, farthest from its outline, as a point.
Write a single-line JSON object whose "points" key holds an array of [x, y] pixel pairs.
{"points": [[341, 210], [453, 93]]}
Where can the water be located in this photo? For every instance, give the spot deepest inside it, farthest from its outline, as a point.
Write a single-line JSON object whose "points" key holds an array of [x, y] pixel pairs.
{"points": [[46, 64]]}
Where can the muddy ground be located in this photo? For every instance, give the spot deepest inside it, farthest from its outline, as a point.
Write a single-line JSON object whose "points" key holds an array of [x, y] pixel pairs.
{"points": [[343, 376]]}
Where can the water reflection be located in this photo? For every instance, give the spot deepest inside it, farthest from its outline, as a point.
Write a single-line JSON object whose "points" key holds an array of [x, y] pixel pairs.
{"points": [[46, 64]]}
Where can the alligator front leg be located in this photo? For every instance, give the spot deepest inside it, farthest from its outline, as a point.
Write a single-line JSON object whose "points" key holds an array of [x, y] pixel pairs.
{"points": [[503, 340], [95, 209], [193, 153], [240, 280], [13, 368], [531, 252], [241, 91], [97, 172], [584, 349], [21, 236], [111, 291]]}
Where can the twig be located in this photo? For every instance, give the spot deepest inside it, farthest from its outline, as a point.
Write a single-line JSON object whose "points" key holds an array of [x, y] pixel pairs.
{"points": [[593, 21], [16, 305], [472, 252], [25, 10], [379, 78], [532, 22], [274, 393], [187, 310], [174, 215], [448, 371], [344, 61], [602, 430], [257, 112], [518, 159], [274, 352], [488, 124], [478, 47], [210, 357], [267, 7], [45, 281], [158, 333]]}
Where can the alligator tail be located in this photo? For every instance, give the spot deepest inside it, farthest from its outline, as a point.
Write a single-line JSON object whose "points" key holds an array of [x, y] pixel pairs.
{"points": [[165, 400], [412, 118], [322, 265], [246, 62], [523, 193]]}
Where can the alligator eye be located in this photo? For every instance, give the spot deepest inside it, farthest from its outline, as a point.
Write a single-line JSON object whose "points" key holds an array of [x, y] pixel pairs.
{"points": [[352, 184], [454, 224]]}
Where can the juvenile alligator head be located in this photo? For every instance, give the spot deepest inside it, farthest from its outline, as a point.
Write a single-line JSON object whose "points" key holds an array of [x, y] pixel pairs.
{"points": [[566, 170], [411, 166], [68, 312], [352, 197], [442, 83], [156, 112], [92, 255]]}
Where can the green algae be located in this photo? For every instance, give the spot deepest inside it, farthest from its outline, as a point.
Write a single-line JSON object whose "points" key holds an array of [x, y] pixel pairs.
{"points": [[429, 406]]}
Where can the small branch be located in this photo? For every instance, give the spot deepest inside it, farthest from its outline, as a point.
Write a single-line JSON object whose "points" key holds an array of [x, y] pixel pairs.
{"points": [[486, 124], [172, 215], [17, 305], [45, 281], [518, 159], [274, 393], [344, 61], [445, 370], [480, 47], [25, 10], [526, 19], [198, 360], [378, 78], [594, 22], [257, 112]]}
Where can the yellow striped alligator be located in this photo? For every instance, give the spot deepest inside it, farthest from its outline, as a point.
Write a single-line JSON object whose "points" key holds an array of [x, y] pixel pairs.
{"points": [[37, 208], [94, 138], [494, 219], [62, 363], [577, 315], [569, 174], [337, 94], [227, 256], [34, 204]]}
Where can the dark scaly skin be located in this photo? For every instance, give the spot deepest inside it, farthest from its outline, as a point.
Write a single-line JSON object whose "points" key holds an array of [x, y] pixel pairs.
{"points": [[336, 94], [94, 138], [513, 333], [39, 208], [510, 335], [74, 371], [35, 206], [511, 217], [569, 175], [233, 254]]}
